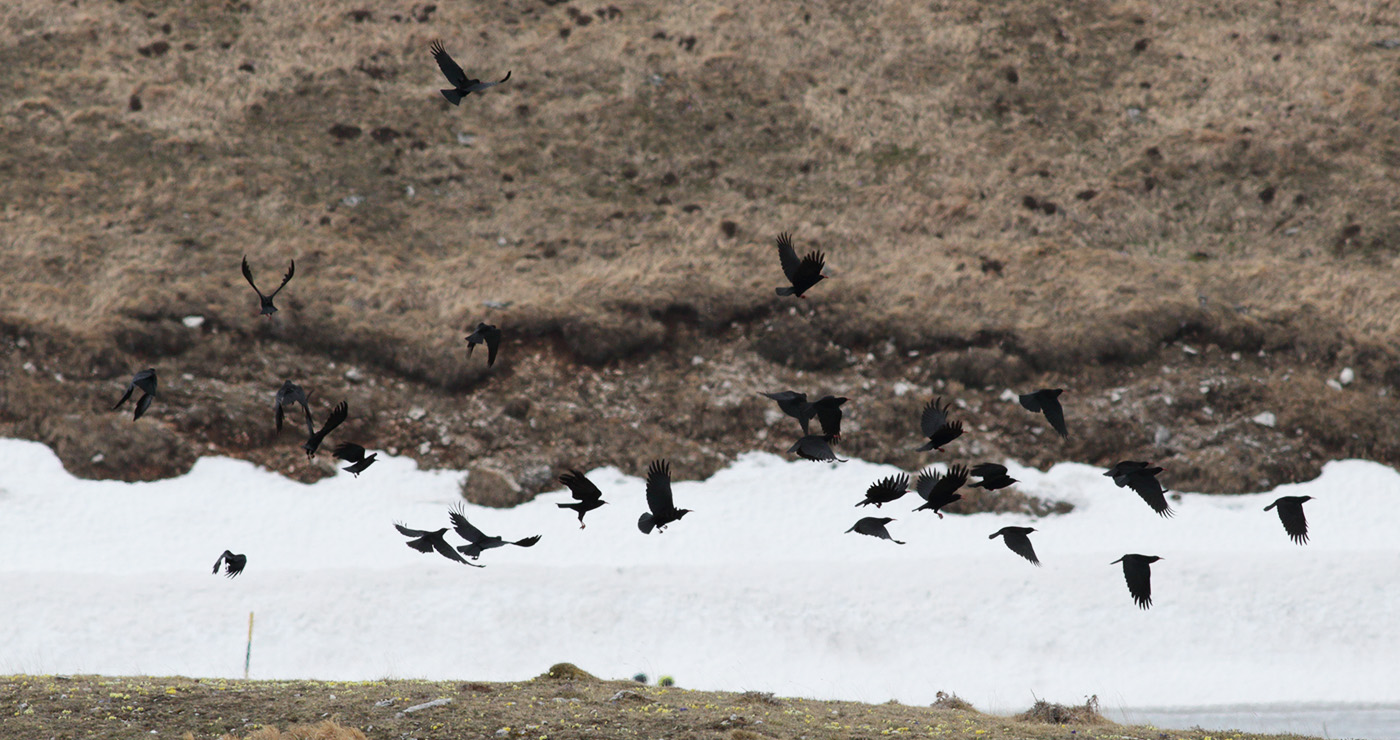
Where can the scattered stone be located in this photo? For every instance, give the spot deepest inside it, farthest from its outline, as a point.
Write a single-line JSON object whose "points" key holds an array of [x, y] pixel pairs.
{"points": [[1161, 436], [98, 458], [629, 695], [1266, 419], [901, 388], [417, 413], [1334, 384], [465, 139], [193, 322], [354, 375], [428, 705], [350, 201], [1346, 376]]}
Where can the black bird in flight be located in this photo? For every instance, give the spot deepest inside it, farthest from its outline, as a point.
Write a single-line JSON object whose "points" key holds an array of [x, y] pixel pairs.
{"points": [[146, 381], [490, 335], [875, 527], [1137, 571], [478, 541], [794, 404], [802, 274], [993, 477], [1290, 512], [828, 410], [1142, 479], [934, 424], [233, 564], [939, 491], [1047, 401], [354, 454], [313, 442], [429, 541], [287, 395], [587, 497], [267, 308], [886, 490], [462, 86], [816, 447], [659, 500], [1016, 539]]}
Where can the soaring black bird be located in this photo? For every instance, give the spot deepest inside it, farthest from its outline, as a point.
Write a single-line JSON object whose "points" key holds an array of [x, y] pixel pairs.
{"points": [[815, 447], [490, 335], [993, 477], [313, 442], [802, 274], [287, 395], [886, 490], [934, 424], [794, 404], [1138, 476], [659, 500], [587, 497], [1016, 539], [267, 308], [875, 527], [146, 381], [1290, 512], [940, 490], [462, 86], [354, 454], [233, 564], [478, 541], [1047, 401], [1137, 572], [828, 410], [429, 541]]}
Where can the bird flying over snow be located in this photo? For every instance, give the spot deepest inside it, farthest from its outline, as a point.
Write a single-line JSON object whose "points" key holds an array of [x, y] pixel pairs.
{"points": [[939, 491], [1137, 572], [1142, 479], [434, 541], [815, 447], [462, 86], [993, 477], [1016, 539], [874, 527], [355, 455], [233, 564], [659, 499], [478, 541], [587, 497], [1290, 512]]}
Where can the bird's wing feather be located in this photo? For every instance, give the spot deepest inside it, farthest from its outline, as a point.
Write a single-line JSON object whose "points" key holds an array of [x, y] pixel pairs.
{"points": [[787, 256], [464, 528], [1138, 574], [933, 419], [291, 269], [1021, 545], [1291, 514], [450, 70], [659, 497], [493, 343], [349, 452], [528, 541], [1055, 414], [337, 416], [581, 487], [248, 274]]}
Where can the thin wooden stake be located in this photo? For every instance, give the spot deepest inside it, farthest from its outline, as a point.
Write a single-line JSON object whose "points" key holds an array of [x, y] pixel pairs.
{"points": [[248, 656]]}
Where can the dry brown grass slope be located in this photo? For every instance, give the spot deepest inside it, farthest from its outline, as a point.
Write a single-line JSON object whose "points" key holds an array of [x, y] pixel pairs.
{"points": [[1025, 193]]}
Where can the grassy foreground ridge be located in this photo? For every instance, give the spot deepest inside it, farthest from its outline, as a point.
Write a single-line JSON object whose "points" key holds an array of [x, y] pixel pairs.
{"points": [[565, 702]]}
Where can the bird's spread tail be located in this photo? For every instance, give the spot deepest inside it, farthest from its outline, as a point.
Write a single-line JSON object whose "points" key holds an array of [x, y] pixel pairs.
{"points": [[645, 523], [785, 291], [452, 96], [927, 446]]}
